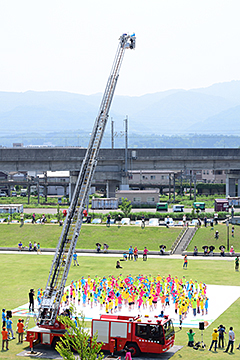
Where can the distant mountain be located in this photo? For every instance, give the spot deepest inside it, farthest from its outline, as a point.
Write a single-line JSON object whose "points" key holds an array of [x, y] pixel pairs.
{"points": [[205, 110]]}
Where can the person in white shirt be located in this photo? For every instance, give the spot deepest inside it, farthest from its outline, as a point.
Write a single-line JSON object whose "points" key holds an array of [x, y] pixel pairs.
{"points": [[231, 340]]}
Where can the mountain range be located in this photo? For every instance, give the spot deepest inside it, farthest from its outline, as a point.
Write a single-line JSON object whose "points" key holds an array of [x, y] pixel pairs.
{"points": [[211, 110]]}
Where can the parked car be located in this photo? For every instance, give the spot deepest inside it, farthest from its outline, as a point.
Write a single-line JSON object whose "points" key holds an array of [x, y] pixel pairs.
{"points": [[3, 194], [178, 208], [14, 193]]}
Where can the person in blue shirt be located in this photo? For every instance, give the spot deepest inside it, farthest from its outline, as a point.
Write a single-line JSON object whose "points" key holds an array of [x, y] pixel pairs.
{"points": [[130, 253], [9, 328], [3, 318], [75, 262]]}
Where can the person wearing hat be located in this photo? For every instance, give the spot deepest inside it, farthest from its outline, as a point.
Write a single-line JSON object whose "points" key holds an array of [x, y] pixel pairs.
{"points": [[4, 338], [20, 330], [214, 340]]}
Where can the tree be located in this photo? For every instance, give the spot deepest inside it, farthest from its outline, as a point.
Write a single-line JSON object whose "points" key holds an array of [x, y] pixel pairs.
{"points": [[77, 337], [126, 207]]}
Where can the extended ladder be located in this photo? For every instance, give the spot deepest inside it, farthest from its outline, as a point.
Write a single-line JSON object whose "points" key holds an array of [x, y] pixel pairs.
{"points": [[72, 225]]}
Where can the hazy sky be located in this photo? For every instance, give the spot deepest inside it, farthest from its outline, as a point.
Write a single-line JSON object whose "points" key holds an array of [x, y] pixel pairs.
{"points": [[69, 45]]}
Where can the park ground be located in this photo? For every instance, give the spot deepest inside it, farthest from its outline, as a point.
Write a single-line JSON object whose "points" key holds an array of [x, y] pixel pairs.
{"points": [[21, 271]]}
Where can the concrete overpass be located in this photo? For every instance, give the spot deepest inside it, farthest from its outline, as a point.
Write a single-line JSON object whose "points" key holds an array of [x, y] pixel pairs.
{"points": [[111, 162]]}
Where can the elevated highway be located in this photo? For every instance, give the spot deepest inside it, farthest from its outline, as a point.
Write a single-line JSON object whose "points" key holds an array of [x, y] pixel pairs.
{"points": [[111, 162]]}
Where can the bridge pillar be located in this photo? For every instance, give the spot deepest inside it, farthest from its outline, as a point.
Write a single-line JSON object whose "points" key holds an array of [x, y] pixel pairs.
{"points": [[72, 183], [111, 188], [230, 186], [238, 187]]}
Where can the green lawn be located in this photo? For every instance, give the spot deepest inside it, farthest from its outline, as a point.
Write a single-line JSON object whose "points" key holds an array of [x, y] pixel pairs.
{"points": [[205, 236], [119, 238], [20, 272]]}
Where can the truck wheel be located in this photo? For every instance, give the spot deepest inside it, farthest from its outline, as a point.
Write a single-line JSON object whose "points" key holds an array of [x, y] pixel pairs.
{"points": [[54, 342], [134, 349]]}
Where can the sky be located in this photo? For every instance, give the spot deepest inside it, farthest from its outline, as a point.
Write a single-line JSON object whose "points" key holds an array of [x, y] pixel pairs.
{"points": [[69, 45]]}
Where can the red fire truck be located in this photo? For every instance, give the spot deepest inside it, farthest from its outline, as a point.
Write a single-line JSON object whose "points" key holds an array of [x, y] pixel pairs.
{"points": [[139, 334]]}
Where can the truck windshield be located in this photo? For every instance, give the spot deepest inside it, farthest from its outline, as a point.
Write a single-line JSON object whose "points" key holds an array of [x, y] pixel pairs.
{"points": [[168, 329]]}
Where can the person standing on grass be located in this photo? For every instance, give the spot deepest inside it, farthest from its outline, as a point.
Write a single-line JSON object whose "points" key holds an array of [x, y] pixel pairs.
{"points": [[185, 262], [237, 263], [75, 262], [145, 252], [9, 328], [221, 331], [3, 318], [130, 253], [38, 249], [214, 340], [231, 337], [4, 338], [20, 330], [22, 218]]}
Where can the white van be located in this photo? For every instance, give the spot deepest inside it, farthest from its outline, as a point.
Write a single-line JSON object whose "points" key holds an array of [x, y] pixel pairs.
{"points": [[178, 208]]}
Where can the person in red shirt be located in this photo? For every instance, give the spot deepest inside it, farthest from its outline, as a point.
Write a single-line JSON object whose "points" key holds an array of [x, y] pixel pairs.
{"points": [[4, 338], [20, 330]]}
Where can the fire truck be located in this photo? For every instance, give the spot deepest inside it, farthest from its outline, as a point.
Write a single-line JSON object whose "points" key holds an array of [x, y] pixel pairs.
{"points": [[48, 329], [139, 334]]}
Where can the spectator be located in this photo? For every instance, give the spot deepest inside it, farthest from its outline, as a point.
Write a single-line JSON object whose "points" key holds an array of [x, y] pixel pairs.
{"points": [[105, 248], [145, 251], [162, 250], [190, 334], [167, 222], [33, 218], [43, 219], [9, 328], [20, 245], [232, 231], [130, 253], [205, 221], [38, 249], [98, 247], [221, 331], [237, 263], [232, 252], [34, 246], [216, 218], [108, 219], [195, 251], [214, 340], [22, 218], [185, 262], [135, 253], [124, 256], [143, 221], [30, 246], [184, 220], [75, 261], [20, 330], [216, 234], [231, 337], [118, 266], [4, 338], [3, 318], [211, 224], [222, 253]]}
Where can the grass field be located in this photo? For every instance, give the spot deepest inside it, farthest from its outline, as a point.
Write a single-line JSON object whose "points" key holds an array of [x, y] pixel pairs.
{"points": [[116, 237], [20, 272]]}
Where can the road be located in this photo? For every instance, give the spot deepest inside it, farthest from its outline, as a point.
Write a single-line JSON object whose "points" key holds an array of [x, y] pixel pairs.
{"points": [[54, 211]]}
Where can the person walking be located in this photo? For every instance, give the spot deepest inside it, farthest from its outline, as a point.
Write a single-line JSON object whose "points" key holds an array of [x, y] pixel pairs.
{"points": [[231, 339], [214, 340], [4, 338], [75, 262], [185, 262]]}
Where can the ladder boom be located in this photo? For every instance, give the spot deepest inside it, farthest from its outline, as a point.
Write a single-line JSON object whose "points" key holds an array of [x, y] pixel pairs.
{"points": [[72, 225]]}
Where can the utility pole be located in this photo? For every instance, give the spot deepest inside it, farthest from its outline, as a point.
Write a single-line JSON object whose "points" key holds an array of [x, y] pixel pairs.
{"points": [[112, 132], [126, 147]]}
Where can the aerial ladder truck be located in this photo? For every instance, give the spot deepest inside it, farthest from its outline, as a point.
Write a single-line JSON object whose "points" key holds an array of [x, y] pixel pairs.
{"points": [[48, 329]]}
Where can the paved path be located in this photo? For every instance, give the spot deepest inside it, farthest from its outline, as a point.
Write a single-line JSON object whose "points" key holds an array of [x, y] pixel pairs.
{"points": [[101, 255]]}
